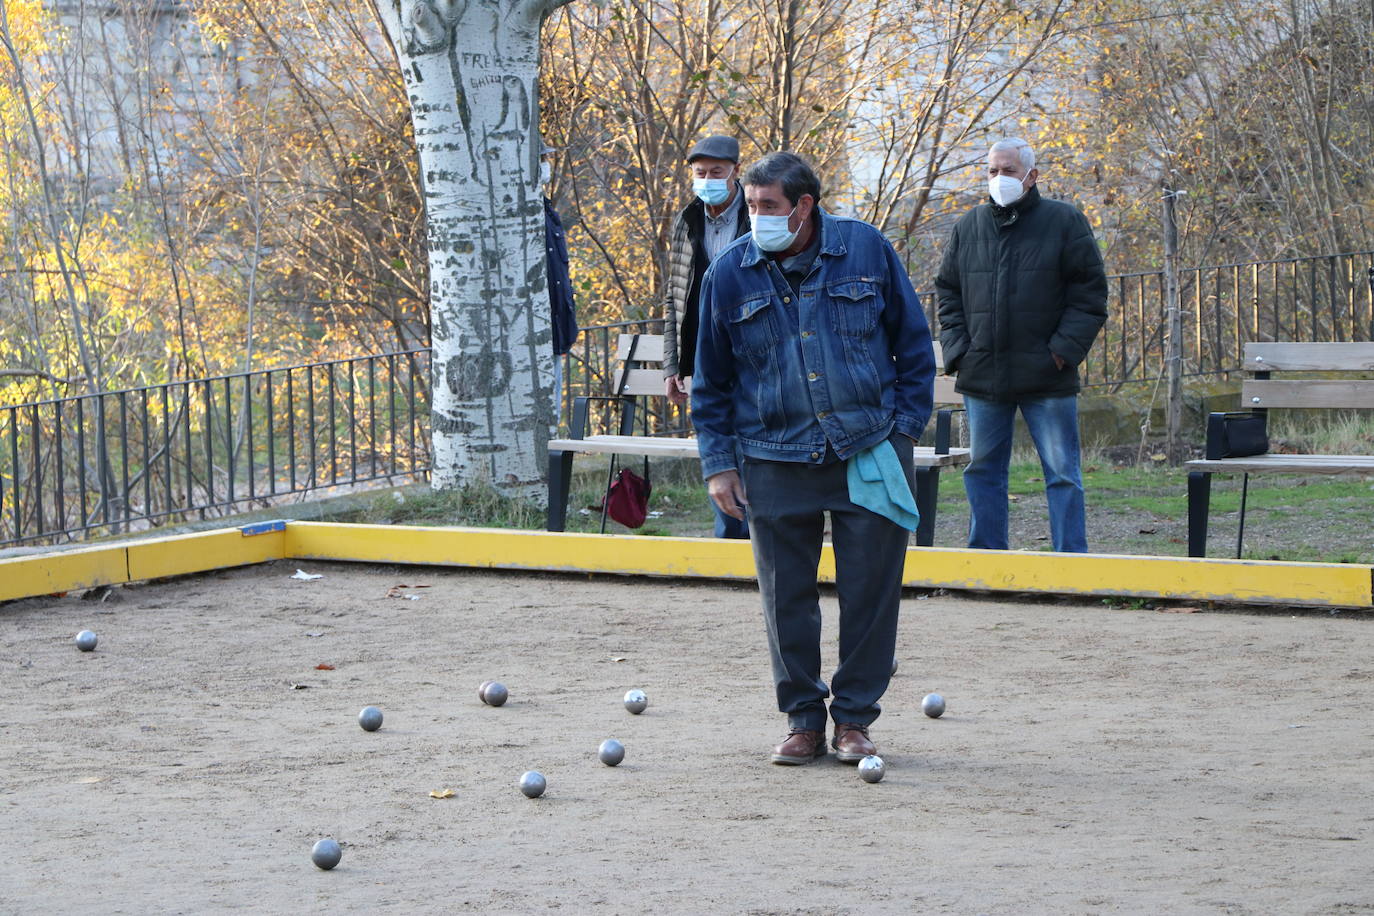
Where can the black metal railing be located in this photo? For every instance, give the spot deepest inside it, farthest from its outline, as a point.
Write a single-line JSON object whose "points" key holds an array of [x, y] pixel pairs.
{"points": [[1225, 306], [1327, 297], [143, 457]]}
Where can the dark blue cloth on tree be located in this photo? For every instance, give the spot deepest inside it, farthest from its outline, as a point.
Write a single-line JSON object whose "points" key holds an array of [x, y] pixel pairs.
{"points": [[564, 318]]}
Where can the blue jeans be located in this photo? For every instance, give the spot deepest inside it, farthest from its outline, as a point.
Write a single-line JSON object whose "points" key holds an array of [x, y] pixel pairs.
{"points": [[1053, 425]]}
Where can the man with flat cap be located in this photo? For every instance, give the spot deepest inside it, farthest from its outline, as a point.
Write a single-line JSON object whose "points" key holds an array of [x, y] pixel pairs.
{"points": [[701, 230]]}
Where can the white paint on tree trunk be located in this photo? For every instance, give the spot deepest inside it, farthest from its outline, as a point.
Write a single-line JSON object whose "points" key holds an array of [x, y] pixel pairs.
{"points": [[471, 72]]}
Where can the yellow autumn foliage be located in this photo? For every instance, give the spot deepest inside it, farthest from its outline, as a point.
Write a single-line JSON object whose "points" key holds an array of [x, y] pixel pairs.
{"points": [[257, 202]]}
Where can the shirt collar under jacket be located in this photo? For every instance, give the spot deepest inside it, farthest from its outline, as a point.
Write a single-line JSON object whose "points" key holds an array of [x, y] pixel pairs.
{"points": [[796, 268], [1005, 216]]}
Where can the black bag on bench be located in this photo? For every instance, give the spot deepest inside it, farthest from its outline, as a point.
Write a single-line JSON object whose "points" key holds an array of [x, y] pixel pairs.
{"points": [[1237, 435]]}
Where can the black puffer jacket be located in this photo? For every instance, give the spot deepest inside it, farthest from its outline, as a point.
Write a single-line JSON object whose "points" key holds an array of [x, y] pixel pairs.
{"points": [[1017, 286]]}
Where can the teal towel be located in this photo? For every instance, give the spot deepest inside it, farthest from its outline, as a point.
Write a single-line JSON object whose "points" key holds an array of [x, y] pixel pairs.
{"points": [[878, 483]]}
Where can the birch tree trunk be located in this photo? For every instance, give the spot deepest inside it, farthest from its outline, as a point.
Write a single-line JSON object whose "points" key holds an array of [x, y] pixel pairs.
{"points": [[471, 71]]}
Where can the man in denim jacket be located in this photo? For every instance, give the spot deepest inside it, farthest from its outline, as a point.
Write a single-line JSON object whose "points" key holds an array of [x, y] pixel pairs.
{"points": [[812, 348]]}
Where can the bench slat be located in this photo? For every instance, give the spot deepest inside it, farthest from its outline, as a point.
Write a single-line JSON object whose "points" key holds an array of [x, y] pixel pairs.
{"points": [[650, 381], [1354, 393], [944, 391], [654, 447], [667, 447], [1335, 357], [642, 382], [650, 349], [1292, 464]]}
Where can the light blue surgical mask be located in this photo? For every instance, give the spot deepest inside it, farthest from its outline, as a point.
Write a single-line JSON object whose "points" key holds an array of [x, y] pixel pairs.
{"points": [[771, 232], [712, 191]]}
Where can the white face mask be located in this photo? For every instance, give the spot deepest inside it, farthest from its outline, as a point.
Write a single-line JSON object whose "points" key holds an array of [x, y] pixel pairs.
{"points": [[545, 172], [771, 232], [1005, 190]]}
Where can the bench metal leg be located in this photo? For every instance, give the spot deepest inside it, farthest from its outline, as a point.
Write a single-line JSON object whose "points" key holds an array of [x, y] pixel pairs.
{"points": [[927, 494], [560, 479], [1199, 505], [1244, 495]]}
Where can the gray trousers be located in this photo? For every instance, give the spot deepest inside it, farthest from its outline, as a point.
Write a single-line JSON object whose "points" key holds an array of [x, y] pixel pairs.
{"points": [[787, 506]]}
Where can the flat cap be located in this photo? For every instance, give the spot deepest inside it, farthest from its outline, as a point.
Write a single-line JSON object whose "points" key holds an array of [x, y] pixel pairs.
{"points": [[716, 147]]}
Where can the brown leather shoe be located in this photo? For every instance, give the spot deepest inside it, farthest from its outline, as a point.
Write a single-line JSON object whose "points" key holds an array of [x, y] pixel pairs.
{"points": [[851, 742], [802, 746]]}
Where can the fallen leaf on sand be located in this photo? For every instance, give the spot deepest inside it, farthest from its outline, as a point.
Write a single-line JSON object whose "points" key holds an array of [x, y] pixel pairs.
{"points": [[398, 591], [440, 793], [324, 667]]}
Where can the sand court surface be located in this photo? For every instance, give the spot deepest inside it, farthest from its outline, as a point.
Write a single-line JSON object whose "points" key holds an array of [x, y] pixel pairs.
{"points": [[1092, 759]]}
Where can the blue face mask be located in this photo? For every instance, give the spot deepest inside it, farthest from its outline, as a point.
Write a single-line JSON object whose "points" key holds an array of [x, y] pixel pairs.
{"points": [[712, 191], [771, 232]]}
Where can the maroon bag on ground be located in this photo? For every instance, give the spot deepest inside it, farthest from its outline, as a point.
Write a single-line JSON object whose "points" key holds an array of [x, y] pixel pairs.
{"points": [[627, 501]]}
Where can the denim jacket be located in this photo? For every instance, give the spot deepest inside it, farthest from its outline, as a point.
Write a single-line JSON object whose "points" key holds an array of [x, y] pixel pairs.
{"points": [[845, 362]]}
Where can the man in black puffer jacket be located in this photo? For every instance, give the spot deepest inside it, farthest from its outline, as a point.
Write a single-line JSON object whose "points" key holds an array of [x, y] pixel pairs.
{"points": [[1022, 295]]}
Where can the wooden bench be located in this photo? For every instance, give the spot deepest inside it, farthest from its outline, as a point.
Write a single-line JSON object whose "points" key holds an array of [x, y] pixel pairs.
{"points": [[645, 379], [1261, 392]]}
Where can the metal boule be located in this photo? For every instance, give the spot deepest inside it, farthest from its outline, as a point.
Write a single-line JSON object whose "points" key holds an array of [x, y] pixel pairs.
{"points": [[872, 768], [533, 783], [611, 752], [326, 854], [496, 694]]}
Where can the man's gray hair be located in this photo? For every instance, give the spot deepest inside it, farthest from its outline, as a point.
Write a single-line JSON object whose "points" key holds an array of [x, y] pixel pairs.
{"points": [[788, 170], [1021, 147]]}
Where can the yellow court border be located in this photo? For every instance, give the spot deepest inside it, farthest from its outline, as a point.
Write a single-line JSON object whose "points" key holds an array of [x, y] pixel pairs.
{"points": [[1238, 581]]}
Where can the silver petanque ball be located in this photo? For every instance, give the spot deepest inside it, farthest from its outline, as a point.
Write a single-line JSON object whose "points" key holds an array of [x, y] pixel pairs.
{"points": [[533, 783], [872, 768], [496, 694], [611, 752], [86, 640], [636, 702], [370, 718], [326, 854], [894, 666], [482, 691], [933, 705]]}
